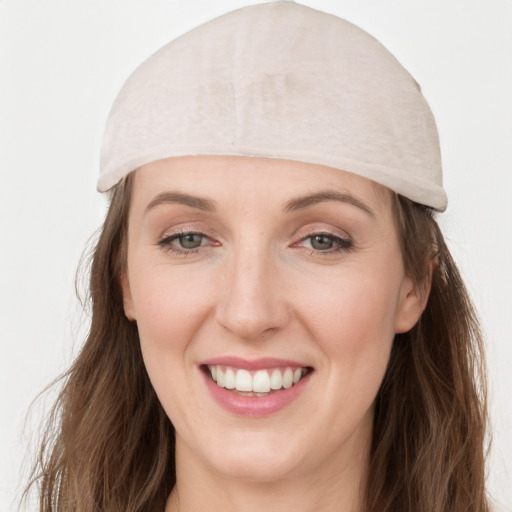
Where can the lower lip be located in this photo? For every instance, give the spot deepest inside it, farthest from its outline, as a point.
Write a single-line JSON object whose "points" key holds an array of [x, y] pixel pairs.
{"points": [[253, 406]]}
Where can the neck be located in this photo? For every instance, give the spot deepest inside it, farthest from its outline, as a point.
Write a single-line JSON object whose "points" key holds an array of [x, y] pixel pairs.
{"points": [[333, 487]]}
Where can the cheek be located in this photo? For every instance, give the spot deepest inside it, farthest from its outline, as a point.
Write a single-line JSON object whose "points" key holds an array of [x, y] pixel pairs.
{"points": [[170, 310], [353, 311], [167, 305], [352, 321]]}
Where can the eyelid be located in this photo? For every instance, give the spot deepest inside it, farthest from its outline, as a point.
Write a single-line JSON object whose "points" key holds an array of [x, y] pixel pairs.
{"points": [[344, 241], [175, 236], [326, 234], [181, 232], [186, 228], [166, 241], [313, 230]]}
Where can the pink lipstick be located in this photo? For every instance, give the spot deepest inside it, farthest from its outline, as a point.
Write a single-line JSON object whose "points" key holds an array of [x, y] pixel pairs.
{"points": [[255, 388]]}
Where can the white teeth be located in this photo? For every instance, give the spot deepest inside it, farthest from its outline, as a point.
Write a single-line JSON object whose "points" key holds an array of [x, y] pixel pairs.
{"points": [[229, 379], [288, 378], [263, 381], [243, 381], [276, 380], [220, 378]]}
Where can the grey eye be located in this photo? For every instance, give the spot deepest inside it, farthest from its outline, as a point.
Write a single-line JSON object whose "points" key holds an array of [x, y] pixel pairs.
{"points": [[190, 241], [321, 242]]}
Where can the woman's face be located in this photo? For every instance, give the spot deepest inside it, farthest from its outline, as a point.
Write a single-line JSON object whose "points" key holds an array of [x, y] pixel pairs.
{"points": [[280, 278]]}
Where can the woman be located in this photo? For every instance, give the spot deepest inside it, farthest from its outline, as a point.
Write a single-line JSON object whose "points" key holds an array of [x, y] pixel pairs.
{"points": [[277, 321]]}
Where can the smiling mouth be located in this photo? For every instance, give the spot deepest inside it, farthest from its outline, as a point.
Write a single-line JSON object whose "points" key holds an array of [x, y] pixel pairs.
{"points": [[258, 383]]}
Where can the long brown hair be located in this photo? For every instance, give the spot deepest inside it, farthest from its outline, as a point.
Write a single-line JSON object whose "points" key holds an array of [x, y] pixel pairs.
{"points": [[109, 445], [428, 448]]}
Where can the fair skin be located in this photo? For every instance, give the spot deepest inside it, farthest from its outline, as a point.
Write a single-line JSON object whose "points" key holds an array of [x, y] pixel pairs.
{"points": [[258, 261]]}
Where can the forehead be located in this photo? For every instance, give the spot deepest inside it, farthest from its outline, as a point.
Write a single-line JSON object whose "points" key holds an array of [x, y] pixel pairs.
{"points": [[240, 179]]}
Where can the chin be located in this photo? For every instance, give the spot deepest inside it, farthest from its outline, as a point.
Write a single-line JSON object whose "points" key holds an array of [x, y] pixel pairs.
{"points": [[260, 469], [261, 458]]}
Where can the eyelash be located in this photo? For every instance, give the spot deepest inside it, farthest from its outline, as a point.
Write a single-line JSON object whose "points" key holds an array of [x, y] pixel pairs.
{"points": [[342, 244], [166, 243]]}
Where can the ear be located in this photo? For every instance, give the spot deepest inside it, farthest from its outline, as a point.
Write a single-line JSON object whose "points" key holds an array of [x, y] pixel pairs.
{"points": [[412, 303], [127, 296]]}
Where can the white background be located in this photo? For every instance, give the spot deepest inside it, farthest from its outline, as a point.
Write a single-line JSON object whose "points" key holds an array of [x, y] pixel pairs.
{"points": [[61, 64]]}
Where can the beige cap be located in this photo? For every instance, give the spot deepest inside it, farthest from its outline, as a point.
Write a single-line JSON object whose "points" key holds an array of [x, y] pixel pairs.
{"points": [[279, 80]]}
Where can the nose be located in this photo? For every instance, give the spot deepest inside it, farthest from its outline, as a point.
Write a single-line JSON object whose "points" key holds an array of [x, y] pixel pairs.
{"points": [[252, 301]]}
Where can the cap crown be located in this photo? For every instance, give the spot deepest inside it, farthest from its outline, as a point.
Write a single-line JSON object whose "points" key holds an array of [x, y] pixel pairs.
{"points": [[279, 80]]}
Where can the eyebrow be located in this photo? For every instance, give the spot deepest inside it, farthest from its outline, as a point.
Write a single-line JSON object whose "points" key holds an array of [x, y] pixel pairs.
{"points": [[323, 196], [292, 205], [200, 203]]}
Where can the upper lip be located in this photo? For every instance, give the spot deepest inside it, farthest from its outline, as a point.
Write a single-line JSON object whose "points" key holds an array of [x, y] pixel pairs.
{"points": [[252, 364]]}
